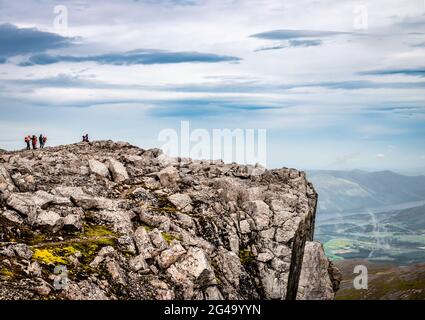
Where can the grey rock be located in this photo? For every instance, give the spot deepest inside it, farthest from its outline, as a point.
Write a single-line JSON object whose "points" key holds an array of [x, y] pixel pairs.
{"points": [[168, 176], [22, 251], [73, 221], [12, 217], [143, 243], [315, 283], [118, 171], [34, 269], [158, 239], [49, 220], [138, 263], [98, 168], [171, 255], [116, 272], [84, 290], [181, 202]]}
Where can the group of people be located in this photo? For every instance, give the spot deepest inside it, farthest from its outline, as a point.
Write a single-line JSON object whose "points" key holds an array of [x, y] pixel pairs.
{"points": [[33, 140]]}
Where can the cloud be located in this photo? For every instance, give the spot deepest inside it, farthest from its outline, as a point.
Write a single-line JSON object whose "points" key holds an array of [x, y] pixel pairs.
{"points": [[286, 34], [418, 45], [61, 80], [292, 44], [380, 156], [304, 43], [345, 159], [204, 107], [364, 84], [418, 72], [19, 41], [416, 22], [141, 56]]}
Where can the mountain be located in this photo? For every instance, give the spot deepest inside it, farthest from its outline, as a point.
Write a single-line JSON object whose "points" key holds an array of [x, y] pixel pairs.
{"points": [[105, 220], [355, 191], [371, 215]]}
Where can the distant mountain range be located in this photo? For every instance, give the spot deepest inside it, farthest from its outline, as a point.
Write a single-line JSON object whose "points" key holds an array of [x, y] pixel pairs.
{"points": [[354, 191], [378, 216]]}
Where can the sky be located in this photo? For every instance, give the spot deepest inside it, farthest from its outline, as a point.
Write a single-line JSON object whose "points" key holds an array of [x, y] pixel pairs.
{"points": [[337, 84]]}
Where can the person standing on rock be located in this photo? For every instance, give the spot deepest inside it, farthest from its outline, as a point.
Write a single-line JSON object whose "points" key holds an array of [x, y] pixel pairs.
{"points": [[44, 140], [40, 141], [86, 138], [27, 141], [34, 142]]}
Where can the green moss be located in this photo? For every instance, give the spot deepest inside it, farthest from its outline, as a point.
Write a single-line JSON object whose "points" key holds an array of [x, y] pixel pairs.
{"points": [[5, 272], [38, 238], [94, 231], [49, 256], [88, 244], [246, 256], [166, 208], [164, 205], [169, 237], [147, 228]]}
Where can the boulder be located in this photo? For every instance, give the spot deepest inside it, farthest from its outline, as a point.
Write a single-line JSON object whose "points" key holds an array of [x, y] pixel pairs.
{"points": [[181, 202], [49, 220], [73, 222], [171, 255], [68, 192], [22, 251], [196, 265], [98, 168], [118, 171], [138, 263], [11, 217], [315, 282], [260, 213], [168, 177]]}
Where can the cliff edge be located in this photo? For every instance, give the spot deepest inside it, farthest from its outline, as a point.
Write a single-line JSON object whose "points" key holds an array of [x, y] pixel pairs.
{"points": [[106, 220]]}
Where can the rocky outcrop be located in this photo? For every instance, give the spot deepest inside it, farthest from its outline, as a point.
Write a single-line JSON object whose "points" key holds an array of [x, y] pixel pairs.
{"points": [[107, 220]]}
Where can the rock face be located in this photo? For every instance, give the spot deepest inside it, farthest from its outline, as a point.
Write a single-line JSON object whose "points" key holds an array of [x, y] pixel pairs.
{"points": [[105, 220]]}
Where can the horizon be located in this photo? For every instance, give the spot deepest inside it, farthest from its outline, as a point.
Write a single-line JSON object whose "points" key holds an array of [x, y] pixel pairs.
{"points": [[412, 172], [342, 91]]}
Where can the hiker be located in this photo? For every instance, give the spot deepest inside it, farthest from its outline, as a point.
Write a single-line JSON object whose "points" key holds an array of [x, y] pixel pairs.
{"points": [[27, 141], [40, 141], [34, 142], [86, 138], [44, 141]]}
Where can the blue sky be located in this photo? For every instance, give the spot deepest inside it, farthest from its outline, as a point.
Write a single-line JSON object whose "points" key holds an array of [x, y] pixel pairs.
{"points": [[331, 95]]}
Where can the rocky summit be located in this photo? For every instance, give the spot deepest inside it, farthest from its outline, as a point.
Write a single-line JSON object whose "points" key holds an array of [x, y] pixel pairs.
{"points": [[108, 220]]}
